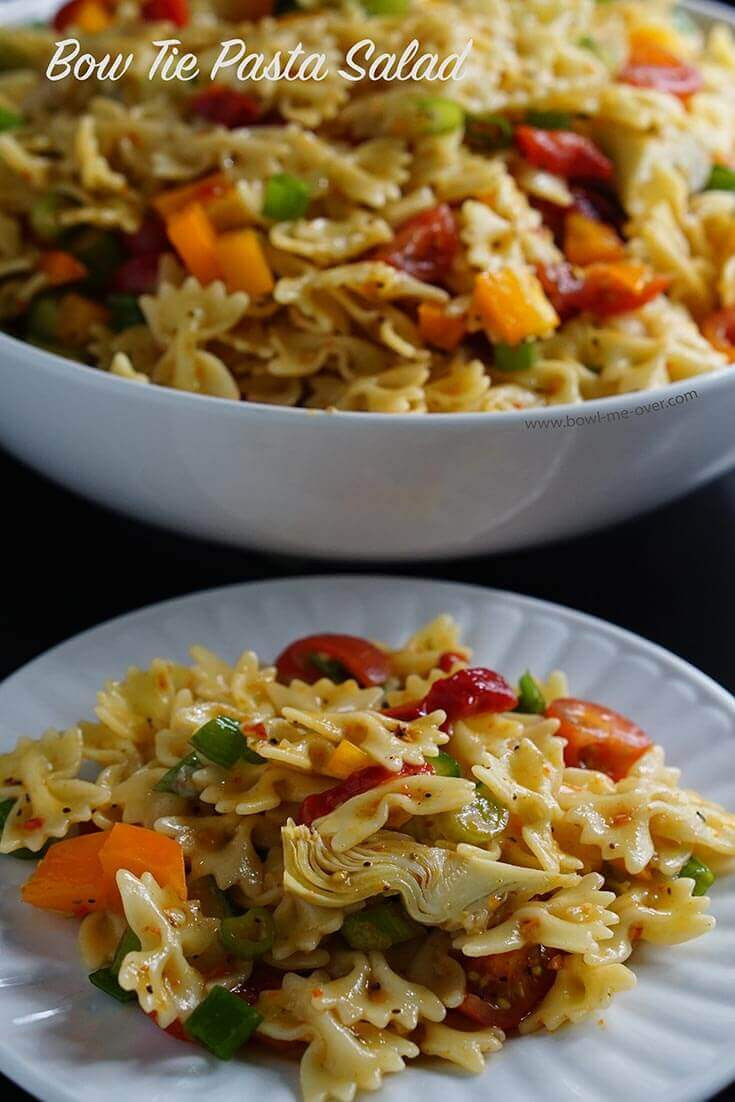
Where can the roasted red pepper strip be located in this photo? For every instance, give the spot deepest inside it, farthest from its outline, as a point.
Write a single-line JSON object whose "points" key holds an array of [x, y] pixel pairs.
{"points": [[719, 329], [506, 987], [166, 11], [367, 664], [227, 107], [465, 693], [564, 153], [425, 246], [598, 737], [321, 803]]}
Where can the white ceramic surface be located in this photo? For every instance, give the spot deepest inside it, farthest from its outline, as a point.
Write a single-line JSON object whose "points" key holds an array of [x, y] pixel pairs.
{"points": [[359, 486], [669, 1039]]}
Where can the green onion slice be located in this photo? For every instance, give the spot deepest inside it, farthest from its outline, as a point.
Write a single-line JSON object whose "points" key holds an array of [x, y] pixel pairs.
{"points": [[9, 120], [721, 178], [249, 935], [213, 901], [386, 7], [286, 197], [515, 357], [444, 765], [379, 926], [177, 779], [222, 1022], [549, 120], [700, 873], [488, 131], [221, 740], [477, 822], [530, 698], [437, 115]]}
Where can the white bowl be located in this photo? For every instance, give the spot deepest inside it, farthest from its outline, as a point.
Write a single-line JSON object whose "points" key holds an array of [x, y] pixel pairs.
{"points": [[353, 485]]}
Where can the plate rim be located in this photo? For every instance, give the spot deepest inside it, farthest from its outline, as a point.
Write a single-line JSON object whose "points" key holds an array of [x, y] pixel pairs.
{"points": [[721, 1074]]}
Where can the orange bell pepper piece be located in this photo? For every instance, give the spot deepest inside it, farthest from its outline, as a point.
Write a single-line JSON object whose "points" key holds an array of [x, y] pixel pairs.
{"points": [[60, 267], [439, 328], [195, 240], [512, 306], [70, 878], [140, 850], [587, 241], [201, 191], [241, 260]]}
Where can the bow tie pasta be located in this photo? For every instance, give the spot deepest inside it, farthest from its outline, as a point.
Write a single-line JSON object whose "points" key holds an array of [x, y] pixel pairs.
{"points": [[365, 853]]}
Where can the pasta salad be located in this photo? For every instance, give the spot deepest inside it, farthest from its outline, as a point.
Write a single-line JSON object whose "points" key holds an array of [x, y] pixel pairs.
{"points": [[553, 225], [359, 854]]}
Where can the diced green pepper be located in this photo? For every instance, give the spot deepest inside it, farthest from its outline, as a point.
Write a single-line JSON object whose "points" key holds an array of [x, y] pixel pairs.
{"points": [[489, 132], [9, 120], [721, 178], [515, 357], [286, 197], [177, 779], [700, 873], [549, 120], [437, 115], [477, 822], [247, 936], [106, 980], [386, 7], [222, 1022], [379, 926], [124, 312], [42, 319], [530, 698], [221, 740], [128, 943], [444, 765], [213, 901]]}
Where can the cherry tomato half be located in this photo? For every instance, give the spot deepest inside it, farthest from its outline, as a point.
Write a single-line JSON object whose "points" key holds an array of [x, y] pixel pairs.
{"points": [[336, 656], [597, 737], [564, 153], [424, 246], [470, 692], [321, 803], [506, 987]]}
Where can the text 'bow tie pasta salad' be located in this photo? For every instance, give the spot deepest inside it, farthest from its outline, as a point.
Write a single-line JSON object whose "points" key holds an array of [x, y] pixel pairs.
{"points": [[359, 854], [555, 224]]}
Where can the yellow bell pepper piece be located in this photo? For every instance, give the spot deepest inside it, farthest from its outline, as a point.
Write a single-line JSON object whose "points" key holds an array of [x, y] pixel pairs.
{"points": [[243, 264], [345, 759], [512, 306], [587, 241], [194, 238]]}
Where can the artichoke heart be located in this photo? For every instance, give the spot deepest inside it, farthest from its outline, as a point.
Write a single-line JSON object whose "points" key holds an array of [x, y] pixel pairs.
{"points": [[435, 884]]}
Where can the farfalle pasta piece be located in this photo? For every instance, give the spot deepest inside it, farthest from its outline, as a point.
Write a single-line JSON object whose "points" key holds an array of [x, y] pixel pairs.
{"points": [[579, 989], [132, 796], [136, 707], [366, 989], [435, 884], [40, 776], [385, 740], [220, 846], [206, 312], [170, 931], [252, 789], [424, 794], [466, 1048], [433, 965], [300, 926]]}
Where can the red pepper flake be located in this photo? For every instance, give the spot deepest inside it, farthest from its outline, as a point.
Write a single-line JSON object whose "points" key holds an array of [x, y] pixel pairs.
{"points": [[33, 824]]}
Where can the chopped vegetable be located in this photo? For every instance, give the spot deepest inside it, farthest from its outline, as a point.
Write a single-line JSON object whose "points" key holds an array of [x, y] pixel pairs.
{"points": [[515, 357], [247, 936], [530, 698], [617, 287], [140, 850], [9, 120], [214, 903], [226, 107], [719, 329], [386, 7], [721, 178], [439, 328], [469, 692], [149, 238], [379, 927], [221, 740], [124, 312], [506, 987], [597, 737], [476, 823], [564, 153], [651, 66], [321, 803], [512, 306], [286, 197], [166, 11], [700, 873], [107, 982], [587, 240], [222, 1022], [549, 120], [201, 191], [488, 131], [70, 877], [42, 319], [563, 287], [177, 779], [76, 317], [89, 15], [43, 215], [444, 765], [98, 250], [437, 115], [194, 238], [138, 275], [60, 267], [357, 657], [128, 943], [425, 246], [345, 759], [242, 262]]}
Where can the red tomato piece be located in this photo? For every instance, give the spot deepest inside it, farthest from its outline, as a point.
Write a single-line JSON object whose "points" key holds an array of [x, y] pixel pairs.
{"points": [[166, 11], [308, 658], [564, 289], [675, 78], [564, 153], [597, 737], [138, 275], [506, 987], [321, 803], [449, 660], [424, 246], [719, 329], [470, 692], [227, 107], [618, 287]]}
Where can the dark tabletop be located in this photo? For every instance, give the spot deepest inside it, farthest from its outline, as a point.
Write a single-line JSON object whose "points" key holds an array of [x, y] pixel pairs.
{"points": [[70, 565]]}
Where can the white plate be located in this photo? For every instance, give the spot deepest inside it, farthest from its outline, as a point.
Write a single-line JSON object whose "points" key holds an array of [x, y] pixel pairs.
{"points": [[669, 1038]]}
